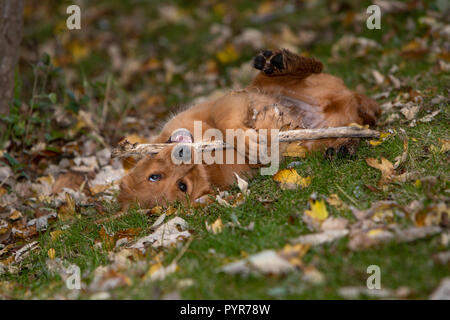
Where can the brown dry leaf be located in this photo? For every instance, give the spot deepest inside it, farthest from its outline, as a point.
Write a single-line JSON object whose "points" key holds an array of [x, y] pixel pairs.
{"points": [[129, 233], [294, 149], [70, 180], [3, 191], [336, 202], [385, 166], [67, 210], [108, 240], [334, 223], [290, 179], [445, 145], [15, 215]]}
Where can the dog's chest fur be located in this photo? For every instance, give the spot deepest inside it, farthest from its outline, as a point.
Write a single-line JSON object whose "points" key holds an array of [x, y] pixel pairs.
{"points": [[265, 111]]}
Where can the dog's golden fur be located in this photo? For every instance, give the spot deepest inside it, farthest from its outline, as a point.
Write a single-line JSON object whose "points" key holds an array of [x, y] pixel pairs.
{"points": [[289, 93]]}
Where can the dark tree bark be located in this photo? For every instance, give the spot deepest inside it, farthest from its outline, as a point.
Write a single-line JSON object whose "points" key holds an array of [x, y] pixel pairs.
{"points": [[11, 25]]}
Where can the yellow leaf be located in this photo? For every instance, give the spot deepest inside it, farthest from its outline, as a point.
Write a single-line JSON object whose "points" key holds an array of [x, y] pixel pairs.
{"points": [[318, 210], [294, 149], [374, 232], [418, 183], [294, 251], [156, 210], [353, 124], [153, 268], [15, 215], [228, 54], [51, 253], [289, 178], [78, 50], [55, 234], [216, 227], [383, 137]]}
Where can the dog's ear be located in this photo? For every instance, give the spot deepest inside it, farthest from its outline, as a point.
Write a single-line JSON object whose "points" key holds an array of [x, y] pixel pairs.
{"points": [[368, 109]]}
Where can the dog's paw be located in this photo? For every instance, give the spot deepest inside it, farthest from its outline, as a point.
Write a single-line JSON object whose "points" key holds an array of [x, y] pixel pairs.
{"points": [[285, 62], [269, 62], [343, 152]]}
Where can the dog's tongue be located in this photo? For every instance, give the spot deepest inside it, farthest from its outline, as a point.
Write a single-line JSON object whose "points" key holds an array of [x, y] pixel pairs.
{"points": [[183, 138]]}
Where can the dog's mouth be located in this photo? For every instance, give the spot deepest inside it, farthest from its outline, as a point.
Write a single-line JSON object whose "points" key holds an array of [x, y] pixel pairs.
{"points": [[181, 135]]}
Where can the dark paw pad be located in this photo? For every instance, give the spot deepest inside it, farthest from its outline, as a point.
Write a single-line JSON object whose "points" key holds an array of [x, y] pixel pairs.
{"points": [[277, 61], [259, 62], [330, 153], [343, 152], [267, 53]]}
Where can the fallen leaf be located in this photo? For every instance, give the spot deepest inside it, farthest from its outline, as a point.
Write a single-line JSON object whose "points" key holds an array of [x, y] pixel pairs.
{"points": [[51, 253], [442, 292], [216, 227], [264, 262], [334, 223], [290, 179], [167, 234], [318, 211], [385, 166], [430, 117], [336, 202], [242, 184], [315, 239]]}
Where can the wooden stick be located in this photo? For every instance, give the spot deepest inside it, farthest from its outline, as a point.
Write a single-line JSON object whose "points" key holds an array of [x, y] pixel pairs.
{"points": [[126, 149]]}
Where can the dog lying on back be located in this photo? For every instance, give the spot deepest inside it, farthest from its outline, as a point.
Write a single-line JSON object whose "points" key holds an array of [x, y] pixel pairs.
{"points": [[289, 93]]}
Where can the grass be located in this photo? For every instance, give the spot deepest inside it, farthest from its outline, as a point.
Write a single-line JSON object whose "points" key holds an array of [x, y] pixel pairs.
{"points": [[407, 264]]}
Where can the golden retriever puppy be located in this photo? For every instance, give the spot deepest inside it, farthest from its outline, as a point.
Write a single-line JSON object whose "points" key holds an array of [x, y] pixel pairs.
{"points": [[289, 93]]}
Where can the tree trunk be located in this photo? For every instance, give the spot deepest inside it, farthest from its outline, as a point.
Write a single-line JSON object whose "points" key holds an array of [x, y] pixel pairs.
{"points": [[11, 25]]}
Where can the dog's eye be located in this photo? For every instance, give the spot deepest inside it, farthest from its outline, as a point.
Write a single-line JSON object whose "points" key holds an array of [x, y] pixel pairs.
{"points": [[154, 177], [182, 186]]}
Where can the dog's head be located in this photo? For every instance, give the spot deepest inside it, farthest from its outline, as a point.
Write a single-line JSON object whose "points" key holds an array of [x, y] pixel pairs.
{"points": [[158, 179]]}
